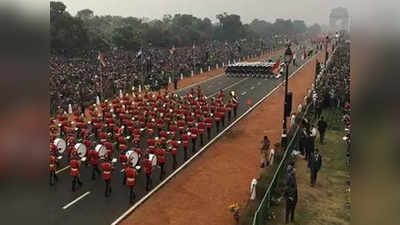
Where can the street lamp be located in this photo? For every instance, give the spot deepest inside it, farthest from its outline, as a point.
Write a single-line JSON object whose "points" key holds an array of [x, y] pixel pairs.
{"points": [[288, 58]]}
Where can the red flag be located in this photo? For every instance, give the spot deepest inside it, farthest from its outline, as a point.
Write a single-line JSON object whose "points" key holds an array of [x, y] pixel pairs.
{"points": [[249, 102], [305, 54], [275, 67], [101, 59], [172, 50]]}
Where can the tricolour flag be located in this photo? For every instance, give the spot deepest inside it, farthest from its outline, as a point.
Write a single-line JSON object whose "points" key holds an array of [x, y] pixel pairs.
{"points": [[172, 50], [101, 59], [139, 54], [275, 67]]}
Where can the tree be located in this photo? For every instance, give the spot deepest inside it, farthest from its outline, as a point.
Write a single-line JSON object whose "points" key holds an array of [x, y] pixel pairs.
{"points": [[126, 37], [230, 27], [85, 14]]}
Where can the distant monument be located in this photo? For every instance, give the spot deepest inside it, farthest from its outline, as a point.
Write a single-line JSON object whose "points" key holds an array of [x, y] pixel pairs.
{"points": [[339, 19]]}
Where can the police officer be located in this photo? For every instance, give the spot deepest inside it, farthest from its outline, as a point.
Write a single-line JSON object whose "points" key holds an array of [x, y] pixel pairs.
{"points": [[147, 170], [315, 166], [322, 125], [291, 194]]}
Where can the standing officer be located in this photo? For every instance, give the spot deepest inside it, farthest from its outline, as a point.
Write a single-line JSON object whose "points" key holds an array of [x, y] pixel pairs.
{"points": [[52, 169], [322, 125], [315, 166], [174, 151], [291, 194], [74, 165], [94, 161], [107, 169], [131, 174]]}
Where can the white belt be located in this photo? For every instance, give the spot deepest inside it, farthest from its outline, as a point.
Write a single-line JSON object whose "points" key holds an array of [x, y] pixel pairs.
{"points": [[130, 179], [74, 169], [107, 172]]}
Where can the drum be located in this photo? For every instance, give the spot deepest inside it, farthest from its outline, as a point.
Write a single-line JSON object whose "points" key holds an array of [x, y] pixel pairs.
{"points": [[81, 150], [153, 159], [133, 158], [101, 150], [60, 144]]}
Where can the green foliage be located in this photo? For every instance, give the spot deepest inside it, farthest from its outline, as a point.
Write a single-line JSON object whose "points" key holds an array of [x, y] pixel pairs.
{"points": [[86, 31]]}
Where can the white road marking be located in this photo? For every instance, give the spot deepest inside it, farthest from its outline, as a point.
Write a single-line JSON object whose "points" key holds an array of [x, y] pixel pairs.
{"points": [[144, 198], [76, 200], [244, 93], [60, 170], [252, 88]]}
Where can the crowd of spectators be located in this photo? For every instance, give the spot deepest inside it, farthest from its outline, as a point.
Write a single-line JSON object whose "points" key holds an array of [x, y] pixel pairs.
{"points": [[332, 91], [79, 79]]}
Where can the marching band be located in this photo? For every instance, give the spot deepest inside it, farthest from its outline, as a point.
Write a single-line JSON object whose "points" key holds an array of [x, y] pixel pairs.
{"points": [[142, 129]]}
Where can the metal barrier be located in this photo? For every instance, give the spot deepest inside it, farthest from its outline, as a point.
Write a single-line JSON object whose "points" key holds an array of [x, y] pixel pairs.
{"points": [[263, 210]]}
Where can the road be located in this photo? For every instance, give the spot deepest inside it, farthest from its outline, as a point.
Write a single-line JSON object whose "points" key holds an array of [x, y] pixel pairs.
{"points": [[88, 205]]}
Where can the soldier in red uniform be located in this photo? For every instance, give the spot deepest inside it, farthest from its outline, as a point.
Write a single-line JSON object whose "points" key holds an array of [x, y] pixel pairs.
{"points": [[123, 159], [174, 151], [147, 170], [130, 174], [161, 156], [185, 142], [209, 124], [52, 169], [107, 169], [94, 161], [194, 134], [202, 127], [74, 165]]}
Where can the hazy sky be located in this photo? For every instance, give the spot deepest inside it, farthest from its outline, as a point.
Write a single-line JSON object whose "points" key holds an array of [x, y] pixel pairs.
{"points": [[310, 11]]}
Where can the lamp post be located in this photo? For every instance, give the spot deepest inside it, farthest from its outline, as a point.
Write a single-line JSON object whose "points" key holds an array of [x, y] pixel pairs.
{"points": [[288, 58]]}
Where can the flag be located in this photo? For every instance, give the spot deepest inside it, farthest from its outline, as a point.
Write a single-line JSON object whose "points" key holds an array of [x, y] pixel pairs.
{"points": [[249, 102], [304, 54], [101, 59], [139, 54], [194, 46], [172, 50], [275, 67], [294, 56]]}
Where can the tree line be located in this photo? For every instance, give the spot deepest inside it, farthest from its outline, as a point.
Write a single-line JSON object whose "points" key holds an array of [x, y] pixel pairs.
{"points": [[87, 31]]}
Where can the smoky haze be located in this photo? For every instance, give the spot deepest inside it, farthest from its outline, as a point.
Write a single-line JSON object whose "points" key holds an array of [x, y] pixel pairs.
{"points": [[311, 11]]}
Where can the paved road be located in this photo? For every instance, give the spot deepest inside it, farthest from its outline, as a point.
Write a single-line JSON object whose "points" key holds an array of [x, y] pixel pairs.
{"points": [[91, 207]]}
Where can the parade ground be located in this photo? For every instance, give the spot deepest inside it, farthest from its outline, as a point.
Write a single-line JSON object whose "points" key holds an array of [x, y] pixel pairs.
{"points": [[213, 177]]}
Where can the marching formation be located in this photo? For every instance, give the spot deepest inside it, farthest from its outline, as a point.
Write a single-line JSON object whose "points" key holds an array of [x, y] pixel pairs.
{"points": [[137, 132]]}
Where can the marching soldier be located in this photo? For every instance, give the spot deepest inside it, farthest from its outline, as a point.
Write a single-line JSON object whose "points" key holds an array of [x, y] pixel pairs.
{"points": [[194, 133], [52, 169], [174, 151], [147, 170], [185, 142], [161, 156], [209, 124], [107, 169], [94, 161], [130, 174], [123, 159], [74, 165]]}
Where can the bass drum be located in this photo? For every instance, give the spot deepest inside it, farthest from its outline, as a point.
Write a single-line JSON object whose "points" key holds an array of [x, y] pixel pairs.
{"points": [[133, 158], [101, 150], [81, 150], [153, 159], [60, 144]]}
